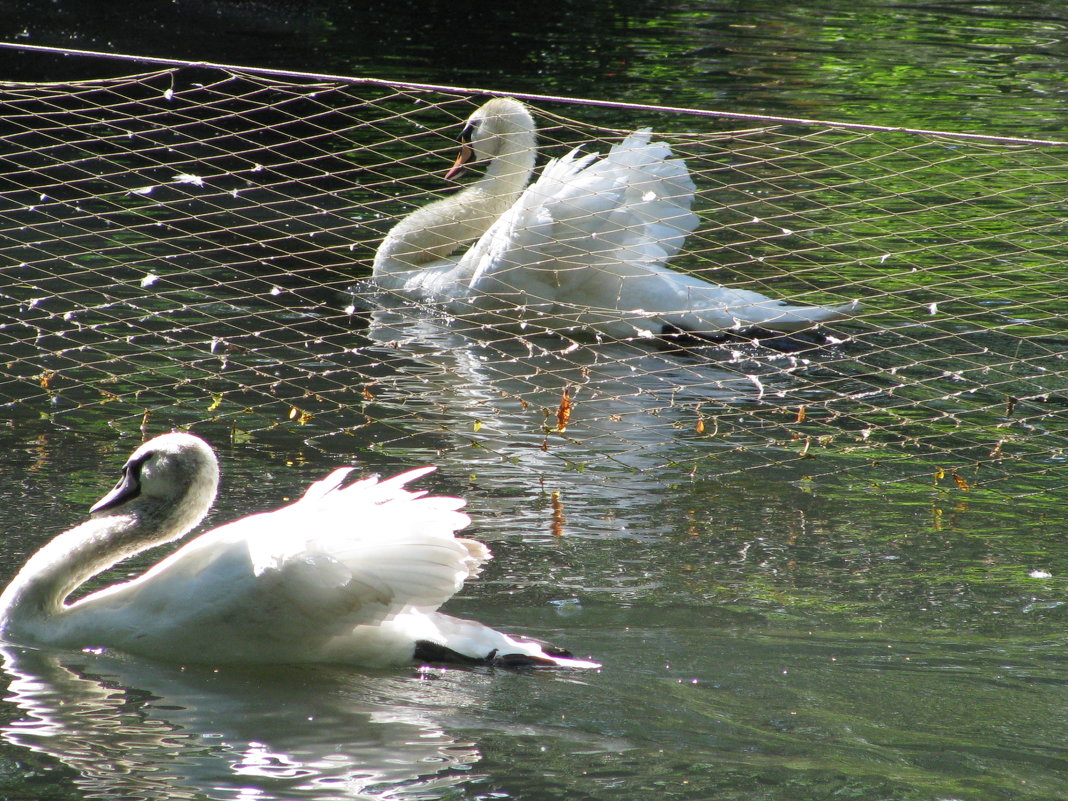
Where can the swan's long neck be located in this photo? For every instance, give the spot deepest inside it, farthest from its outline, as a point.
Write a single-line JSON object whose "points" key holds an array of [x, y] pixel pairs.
{"points": [[435, 231], [37, 596]]}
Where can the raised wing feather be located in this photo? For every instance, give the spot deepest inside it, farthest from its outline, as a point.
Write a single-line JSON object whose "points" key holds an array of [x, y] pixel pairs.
{"points": [[584, 226], [336, 558]]}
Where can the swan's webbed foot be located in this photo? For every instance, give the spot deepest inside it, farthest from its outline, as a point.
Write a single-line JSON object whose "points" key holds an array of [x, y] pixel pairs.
{"points": [[520, 661], [433, 653]]}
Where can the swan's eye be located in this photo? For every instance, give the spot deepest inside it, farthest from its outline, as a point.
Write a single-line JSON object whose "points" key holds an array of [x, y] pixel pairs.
{"points": [[133, 467]]}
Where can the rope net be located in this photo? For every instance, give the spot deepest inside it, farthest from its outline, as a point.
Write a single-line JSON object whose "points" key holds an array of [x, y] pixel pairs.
{"points": [[190, 247]]}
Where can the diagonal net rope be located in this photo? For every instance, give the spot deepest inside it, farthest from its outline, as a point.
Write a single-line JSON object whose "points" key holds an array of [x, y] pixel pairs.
{"points": [[188, 247]]}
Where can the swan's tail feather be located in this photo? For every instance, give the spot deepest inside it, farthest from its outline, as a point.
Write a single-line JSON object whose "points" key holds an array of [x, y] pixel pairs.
{"points": [[687, 303], [551, 656], [769, 315]]}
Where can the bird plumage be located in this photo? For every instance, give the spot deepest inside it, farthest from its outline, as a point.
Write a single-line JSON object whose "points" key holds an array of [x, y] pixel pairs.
{"points": [[586, 244], [351, 574]]}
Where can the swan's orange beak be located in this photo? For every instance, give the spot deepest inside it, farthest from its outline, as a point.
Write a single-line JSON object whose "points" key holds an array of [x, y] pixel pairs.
{"points": [[466, 154]]}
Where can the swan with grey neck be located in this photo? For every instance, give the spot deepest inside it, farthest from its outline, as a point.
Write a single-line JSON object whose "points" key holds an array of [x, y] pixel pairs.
{"points": [[585, 245], [346, 574]]}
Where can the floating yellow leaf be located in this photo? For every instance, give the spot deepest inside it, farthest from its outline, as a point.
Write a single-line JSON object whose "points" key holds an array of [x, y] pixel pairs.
{"points": [[961, 483], [216, 401], [700, 427], [939, 474], [46, 378], [367, 395], [800, 414], [477, 425]]}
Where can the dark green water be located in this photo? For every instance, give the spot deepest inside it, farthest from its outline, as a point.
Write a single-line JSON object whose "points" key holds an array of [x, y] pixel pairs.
{"points": [[992, 68], [853, 624]]}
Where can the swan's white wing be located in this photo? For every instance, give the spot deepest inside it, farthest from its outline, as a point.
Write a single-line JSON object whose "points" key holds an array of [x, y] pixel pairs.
{"points": [[589, 241], [357, 554], [291, 579], [579, 243], [657, 193], [582, 214]]}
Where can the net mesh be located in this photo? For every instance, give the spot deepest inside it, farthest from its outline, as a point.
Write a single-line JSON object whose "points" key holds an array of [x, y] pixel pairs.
{"points": [[188, 247]]}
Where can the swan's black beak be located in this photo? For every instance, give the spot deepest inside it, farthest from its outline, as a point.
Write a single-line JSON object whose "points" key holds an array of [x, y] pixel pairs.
{"points": [[129, 487], [466, 154]]}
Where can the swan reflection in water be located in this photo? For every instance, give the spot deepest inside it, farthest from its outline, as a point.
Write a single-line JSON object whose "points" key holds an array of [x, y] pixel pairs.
{"points": [[636, 404], [134, 729], [644, 414]]}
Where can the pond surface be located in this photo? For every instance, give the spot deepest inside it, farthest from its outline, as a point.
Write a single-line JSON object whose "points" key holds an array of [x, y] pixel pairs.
{"points": [[994, 68], [858, 623]]}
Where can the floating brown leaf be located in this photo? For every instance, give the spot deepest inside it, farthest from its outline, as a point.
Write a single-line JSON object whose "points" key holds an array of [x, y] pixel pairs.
{"points": [[563, 413]]}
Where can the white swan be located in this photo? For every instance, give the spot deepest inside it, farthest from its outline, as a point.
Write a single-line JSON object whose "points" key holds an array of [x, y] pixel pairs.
{"points": [[345, 574], [584, 245]]}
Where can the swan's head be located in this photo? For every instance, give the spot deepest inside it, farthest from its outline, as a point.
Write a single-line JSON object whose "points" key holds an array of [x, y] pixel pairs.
{"points": [[175, 471], [500, 128]]}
